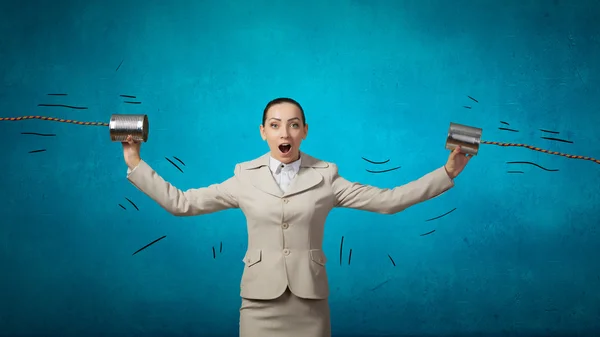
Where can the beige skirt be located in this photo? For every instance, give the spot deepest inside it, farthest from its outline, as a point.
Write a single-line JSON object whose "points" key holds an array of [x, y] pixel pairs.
{"points": [[286, 316]]}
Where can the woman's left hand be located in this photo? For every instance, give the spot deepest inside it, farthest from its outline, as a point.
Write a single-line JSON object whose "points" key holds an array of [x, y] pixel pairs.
{"points": [[456, 162]]}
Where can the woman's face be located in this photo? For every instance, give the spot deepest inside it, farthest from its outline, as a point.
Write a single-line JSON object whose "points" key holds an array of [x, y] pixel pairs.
{"points": [[284, 131]]}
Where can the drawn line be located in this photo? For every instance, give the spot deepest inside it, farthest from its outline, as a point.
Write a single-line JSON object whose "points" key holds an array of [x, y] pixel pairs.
{"points": [[131, 202], [549, 131], [350, 256], [131, 102], [383, 171], [558, 139], [179, 160], [119, 65], [380, 285], [394, 263], [466, 107], [150, 244], [174, 164], [127, 96], [530, 163], [39, 134], [473, 99], [507, 129], [341, 249], [214, 254], [427, 233], [221, 247], [65, 106], [375, 162], [123, 207], [57, 94], [36, 151], [515, 172], [437, 217], [505, 123]]}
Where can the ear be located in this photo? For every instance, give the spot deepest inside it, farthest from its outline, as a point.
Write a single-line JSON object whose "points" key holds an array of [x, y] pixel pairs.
{"points": [[262, 132], [305, 131]]}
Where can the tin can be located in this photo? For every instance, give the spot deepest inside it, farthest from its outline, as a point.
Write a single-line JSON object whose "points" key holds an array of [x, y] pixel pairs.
{"points": [[122, 126], [467, 137]]}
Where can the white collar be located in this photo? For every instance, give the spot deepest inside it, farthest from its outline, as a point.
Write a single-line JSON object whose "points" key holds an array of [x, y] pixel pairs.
{"points": [[276, 166]]}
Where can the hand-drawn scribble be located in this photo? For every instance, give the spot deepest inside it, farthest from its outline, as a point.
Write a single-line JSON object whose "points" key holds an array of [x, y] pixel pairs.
{"points": [[558, 140], [150, 244], [505, 123], [170, 161], [437, 217], [507, 129], [375, 162], [119, 65], [350, 256], [132, 102], [391, 259], [123, 207], [131, 202], [515, 172], [128, 96], [220, 250], [530, 163], [65, 106], [37, 151], [57, 94], [179, 160], [380, 285], [427, 233], [383, 171], [549, 131], [476, 101], [466, 107], [39, 134], [341, 249]]}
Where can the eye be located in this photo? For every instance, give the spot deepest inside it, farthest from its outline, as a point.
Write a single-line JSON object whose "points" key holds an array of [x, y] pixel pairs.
{"points": [[295, 125], [273, 125]]}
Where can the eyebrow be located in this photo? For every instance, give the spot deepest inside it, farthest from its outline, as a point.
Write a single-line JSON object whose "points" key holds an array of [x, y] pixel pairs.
{"points": [[291, 119]]}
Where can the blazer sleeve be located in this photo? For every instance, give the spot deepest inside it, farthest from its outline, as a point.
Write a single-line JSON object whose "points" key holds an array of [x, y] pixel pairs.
{"points": [[388, 201], [198, 201]]}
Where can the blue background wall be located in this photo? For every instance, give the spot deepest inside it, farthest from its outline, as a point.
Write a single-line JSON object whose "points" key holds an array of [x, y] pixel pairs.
{"points": [[378, 79]]}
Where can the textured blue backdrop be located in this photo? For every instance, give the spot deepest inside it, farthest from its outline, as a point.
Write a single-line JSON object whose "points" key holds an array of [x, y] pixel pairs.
{"points": [[378, 79]]}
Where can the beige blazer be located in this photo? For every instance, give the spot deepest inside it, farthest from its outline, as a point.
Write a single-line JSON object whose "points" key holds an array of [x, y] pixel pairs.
{"points": [[285, 230]]}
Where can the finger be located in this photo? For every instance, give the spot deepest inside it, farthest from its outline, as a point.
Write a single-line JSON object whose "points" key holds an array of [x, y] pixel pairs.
{"points": [[455, 152]]}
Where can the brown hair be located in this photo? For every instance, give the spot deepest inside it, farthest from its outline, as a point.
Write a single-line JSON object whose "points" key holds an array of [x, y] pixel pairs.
{"points": [[282, 100]]}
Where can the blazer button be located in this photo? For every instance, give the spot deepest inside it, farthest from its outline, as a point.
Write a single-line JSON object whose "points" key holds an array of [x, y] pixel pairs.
{"points": [[286, 252], [285, 225], [285, 201]]}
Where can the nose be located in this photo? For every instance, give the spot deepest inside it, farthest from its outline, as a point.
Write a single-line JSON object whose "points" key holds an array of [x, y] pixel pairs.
{"points": [[284, 133]]}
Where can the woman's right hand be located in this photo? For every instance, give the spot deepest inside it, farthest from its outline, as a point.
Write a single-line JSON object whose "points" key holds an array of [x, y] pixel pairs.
{"points": [[131, 152]]}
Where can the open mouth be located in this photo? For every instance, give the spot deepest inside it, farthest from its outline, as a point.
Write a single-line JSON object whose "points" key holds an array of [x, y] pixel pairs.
{"points": [[285, 148]]}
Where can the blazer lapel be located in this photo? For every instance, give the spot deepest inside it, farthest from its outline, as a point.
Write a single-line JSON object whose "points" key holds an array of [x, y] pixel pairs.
{"points": [[307, 177], [261, 176]]}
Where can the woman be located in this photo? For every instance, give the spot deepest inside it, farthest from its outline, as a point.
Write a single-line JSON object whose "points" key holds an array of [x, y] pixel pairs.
{"points": [[286, 196]]}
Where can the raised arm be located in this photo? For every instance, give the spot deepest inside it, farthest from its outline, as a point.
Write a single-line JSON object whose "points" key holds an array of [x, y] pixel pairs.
{"points": [[388, 201], [199, 201]]}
